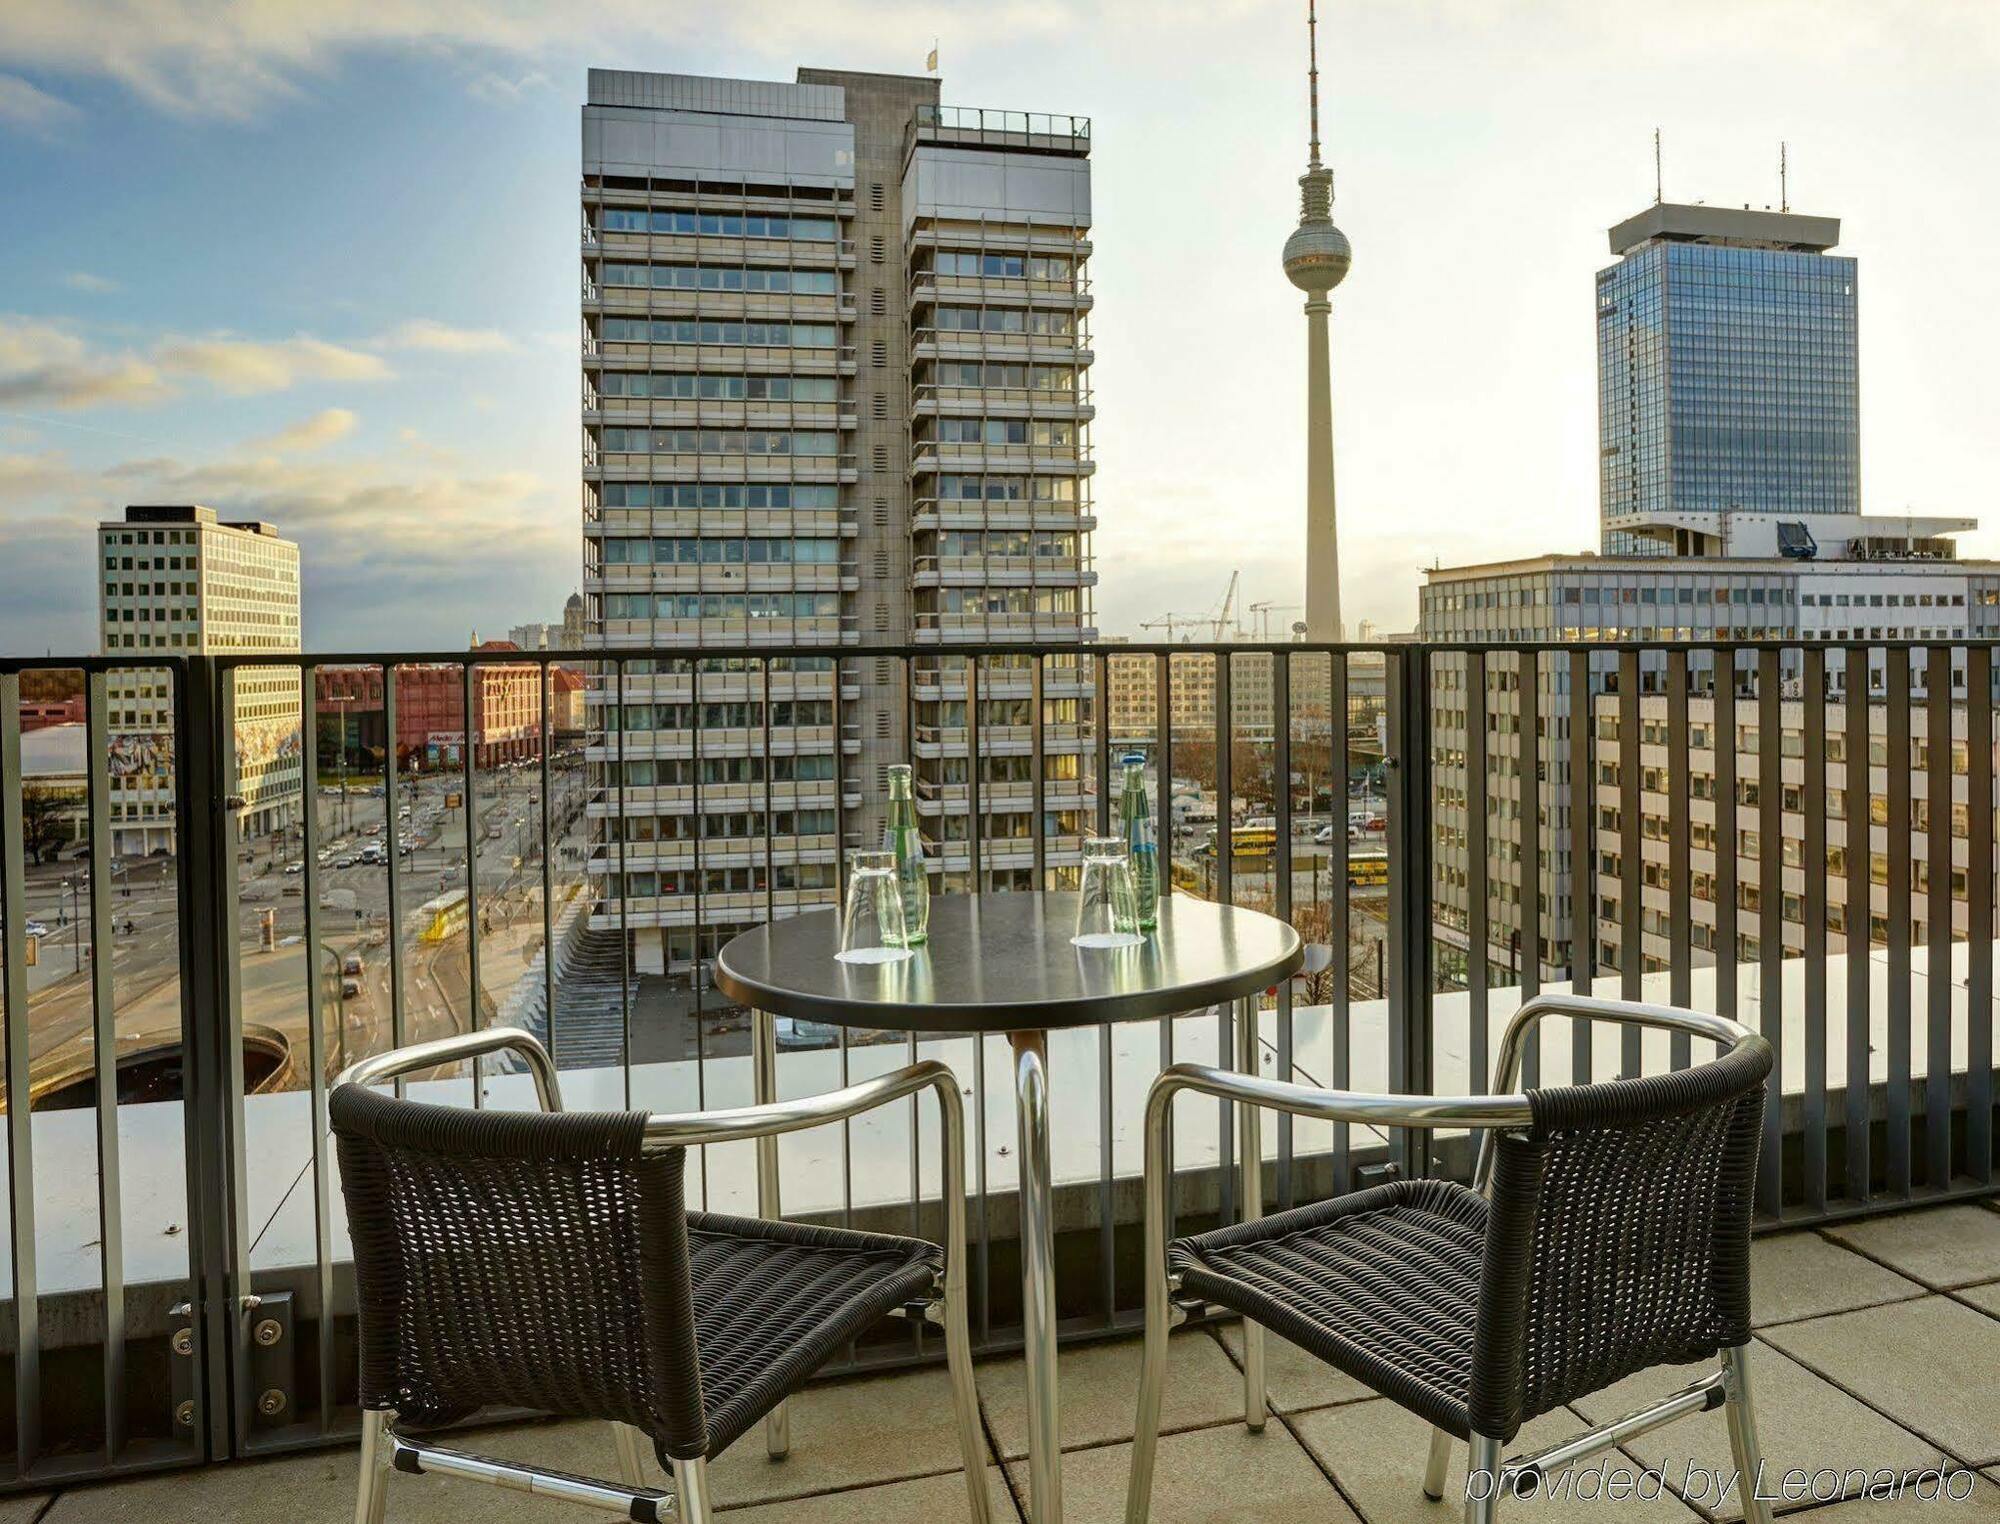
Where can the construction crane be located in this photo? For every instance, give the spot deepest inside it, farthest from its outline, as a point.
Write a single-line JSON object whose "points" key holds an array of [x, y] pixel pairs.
{"points": [[1172, 623], [1228, 603], [1260, 615], [1217, 619]]}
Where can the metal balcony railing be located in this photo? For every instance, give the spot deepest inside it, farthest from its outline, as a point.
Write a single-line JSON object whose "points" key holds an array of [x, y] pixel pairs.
{"points": [[208, 911]]}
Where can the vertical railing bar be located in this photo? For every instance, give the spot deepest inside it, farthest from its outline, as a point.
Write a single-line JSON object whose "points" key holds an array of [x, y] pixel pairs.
{"points": [[1583, 858], [546, 693], [1979, 913], [1163, 727], [465, 750], [770, 834], [315, 1029], [700, 888], [1631, 858], [1680, 866], [972, 862], [1897, 792], [1409, 968], [20, 1122], [230, 1010], [1812, 856], [1340, 895], [1529, 670], [1938, 980], [1725, 830], [1037, 774], [1106, 1058], [1225, 894], [1858, 940], [398, 1016], [972, 789], [104, 1062], [1477, 793], [1281, 791], [624, 889], [1770, 919]]}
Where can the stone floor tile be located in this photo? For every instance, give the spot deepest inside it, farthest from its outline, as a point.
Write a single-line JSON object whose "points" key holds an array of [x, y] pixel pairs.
{"points": [[1099, 1390], [1296, 1380], [302, 1489], [1982, 1506], [1801, 1275], [1377, 1451], [1940, 1246], [1986, 1298], [1802, 1421], [929, 1500], [24, 1509], [1933, 1365], [1207, 1476]]}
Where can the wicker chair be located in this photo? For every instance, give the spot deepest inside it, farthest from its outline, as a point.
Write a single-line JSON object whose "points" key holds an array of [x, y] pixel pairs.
{"points": [[547, 1260], [1608, 1231]]}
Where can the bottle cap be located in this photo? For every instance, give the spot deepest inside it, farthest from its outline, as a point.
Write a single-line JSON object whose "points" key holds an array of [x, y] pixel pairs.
{"points": [[1133, 756]]}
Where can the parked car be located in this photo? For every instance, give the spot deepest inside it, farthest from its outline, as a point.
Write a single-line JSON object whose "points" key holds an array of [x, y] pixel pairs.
{"points": [[351, 965], [350, 989], [294, 868]]}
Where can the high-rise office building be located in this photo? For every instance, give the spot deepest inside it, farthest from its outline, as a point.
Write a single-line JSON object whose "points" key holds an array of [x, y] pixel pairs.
{"points": [[179, 580], [1726, 374], [835, 393]]}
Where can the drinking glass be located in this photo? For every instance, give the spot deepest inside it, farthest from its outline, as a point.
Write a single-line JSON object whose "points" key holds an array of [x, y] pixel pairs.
{"points": [[871, 927], [1107, 911]]}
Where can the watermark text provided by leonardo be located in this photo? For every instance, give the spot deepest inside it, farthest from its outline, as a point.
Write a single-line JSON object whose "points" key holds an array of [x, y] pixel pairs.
{"points": [[1612, 1480]]}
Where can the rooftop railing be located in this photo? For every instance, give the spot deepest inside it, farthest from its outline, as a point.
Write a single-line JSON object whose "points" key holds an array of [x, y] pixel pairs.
{"points": [[1798, 836]]}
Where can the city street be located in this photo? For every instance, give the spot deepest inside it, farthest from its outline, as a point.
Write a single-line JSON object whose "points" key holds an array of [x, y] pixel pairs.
{"points": [[354, 919]]}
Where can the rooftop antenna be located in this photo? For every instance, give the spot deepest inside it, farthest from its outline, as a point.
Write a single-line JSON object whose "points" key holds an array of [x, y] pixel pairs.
{"points": [[1312, 77], [1657, 197], [1784, 189]]}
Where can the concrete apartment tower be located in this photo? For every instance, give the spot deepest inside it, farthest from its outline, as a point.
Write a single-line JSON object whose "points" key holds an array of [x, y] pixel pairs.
{"points": [[1317, 256], [835, 393], [180, 581]]}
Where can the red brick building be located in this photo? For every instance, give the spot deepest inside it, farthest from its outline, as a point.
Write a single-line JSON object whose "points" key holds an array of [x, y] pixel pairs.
{"points": [[430, 714]]}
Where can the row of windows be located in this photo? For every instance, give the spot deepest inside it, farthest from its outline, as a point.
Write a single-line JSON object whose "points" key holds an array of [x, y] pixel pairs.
{"points": [[1006, 600], [721, 605], [619, 219], [1005, 542], [621, 330], [1006, 431], [1005, 266], [754, 278], [722, 881], [956, 488], [1041, 378], [1003, 320], [691, 551], [721, 825], [720, 495], [727, 388], [725, 715], [681, 772], [721, 441]]}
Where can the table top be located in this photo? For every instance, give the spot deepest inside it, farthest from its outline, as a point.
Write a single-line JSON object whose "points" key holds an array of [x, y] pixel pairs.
{"points": [[1003, 962]]}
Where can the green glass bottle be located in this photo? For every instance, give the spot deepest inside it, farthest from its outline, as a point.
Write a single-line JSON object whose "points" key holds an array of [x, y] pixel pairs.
{"points": [[907, 843], [1136, 825]]}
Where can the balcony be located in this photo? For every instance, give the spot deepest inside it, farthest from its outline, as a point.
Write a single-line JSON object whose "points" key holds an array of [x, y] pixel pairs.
{"points": [[1874, 1278]]}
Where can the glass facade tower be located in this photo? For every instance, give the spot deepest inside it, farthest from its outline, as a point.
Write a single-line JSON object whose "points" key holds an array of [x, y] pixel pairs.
{"points": [[1726, 374]]}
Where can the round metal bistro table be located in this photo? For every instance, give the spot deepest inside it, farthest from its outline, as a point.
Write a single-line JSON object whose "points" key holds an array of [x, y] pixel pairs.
{"points": [[1004, 963]]}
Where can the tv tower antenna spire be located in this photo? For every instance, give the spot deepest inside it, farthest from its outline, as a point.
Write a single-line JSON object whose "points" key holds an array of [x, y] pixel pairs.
{"points": [[1312, 76]]}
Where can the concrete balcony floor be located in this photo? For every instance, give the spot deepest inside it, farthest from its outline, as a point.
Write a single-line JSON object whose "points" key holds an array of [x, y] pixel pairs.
{"points": [[1877, 1346]]}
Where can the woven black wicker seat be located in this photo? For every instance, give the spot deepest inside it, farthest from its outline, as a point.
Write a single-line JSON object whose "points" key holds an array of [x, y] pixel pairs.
{"points": [[1608, 1231], [1382, 1284], [547, 1260]]}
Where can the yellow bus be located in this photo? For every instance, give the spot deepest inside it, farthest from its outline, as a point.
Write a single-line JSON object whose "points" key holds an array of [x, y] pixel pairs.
{"points": [[443, 917], [1367, 869], [1248, 840]]}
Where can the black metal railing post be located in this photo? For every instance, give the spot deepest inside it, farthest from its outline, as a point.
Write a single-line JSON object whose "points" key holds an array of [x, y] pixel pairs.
{"points": [[1407, 693]]}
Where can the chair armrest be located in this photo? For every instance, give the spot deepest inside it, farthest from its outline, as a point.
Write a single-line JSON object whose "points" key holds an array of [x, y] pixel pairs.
{"points": [[695, 1128], [1420, 1111], [456, 1050]]}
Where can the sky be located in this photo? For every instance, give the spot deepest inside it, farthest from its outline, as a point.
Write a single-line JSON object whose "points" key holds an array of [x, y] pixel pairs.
{"points": [[317, 264]]}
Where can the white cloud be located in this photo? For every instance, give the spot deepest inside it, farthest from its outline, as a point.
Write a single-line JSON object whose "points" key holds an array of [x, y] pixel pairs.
{"points": [[44, 364], [242, 367], [25, 105], [94, 285], [427, 333], [323, 428]]}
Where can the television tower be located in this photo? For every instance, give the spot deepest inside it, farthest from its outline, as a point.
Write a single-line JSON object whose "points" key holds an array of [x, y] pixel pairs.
{"points": [[1317, 256]]}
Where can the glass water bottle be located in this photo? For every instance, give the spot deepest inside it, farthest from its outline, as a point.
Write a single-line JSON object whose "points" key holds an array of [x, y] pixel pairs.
{"points": [[1136, 825], [906, 843]]}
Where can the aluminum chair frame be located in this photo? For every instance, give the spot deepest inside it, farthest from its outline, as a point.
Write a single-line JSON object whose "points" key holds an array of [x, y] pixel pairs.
{"points": [[691, 1502], [1505, 1110]]}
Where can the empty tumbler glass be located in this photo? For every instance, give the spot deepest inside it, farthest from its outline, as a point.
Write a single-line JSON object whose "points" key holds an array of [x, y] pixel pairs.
{"points": [[871, 927], [1107, 911]]}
